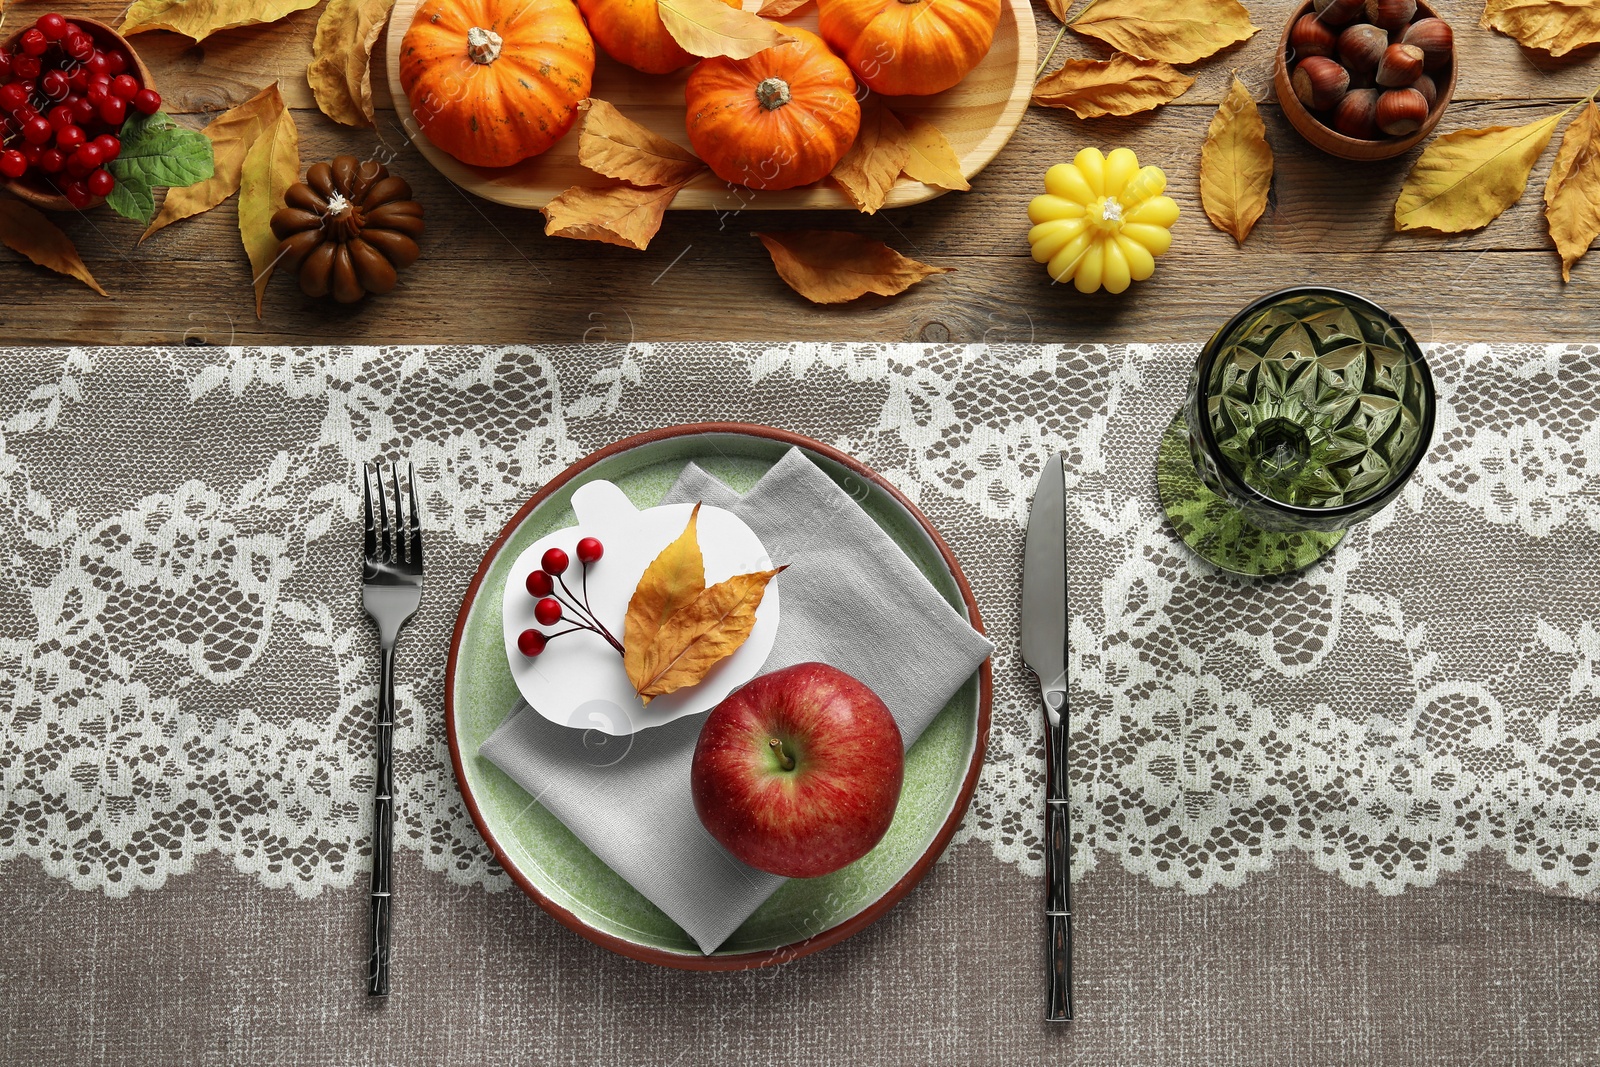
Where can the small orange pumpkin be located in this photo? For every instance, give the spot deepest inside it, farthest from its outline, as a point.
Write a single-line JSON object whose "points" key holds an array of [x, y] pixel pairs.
{"points": [[631, 32], [909, 47], [783, 117], [494, 82]]}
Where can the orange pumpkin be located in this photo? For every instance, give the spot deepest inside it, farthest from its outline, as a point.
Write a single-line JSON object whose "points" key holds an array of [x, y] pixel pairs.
{"points": [[783, 117], [631, 32], [909, 47], [494, 82]]}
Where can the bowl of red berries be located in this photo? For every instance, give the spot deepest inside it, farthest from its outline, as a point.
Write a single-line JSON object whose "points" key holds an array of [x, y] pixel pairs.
{"points": [[67, 85]]}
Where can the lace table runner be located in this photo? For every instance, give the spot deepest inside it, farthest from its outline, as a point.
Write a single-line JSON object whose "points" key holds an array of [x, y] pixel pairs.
{"points": [[184, 668]]}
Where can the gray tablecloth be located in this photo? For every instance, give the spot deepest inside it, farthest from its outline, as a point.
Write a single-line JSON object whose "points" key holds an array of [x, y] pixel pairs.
{"points": [[1348, 817]]}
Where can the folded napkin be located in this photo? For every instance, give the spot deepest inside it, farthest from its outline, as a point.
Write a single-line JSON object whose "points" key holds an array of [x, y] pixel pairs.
{"points": [[850, 598]]}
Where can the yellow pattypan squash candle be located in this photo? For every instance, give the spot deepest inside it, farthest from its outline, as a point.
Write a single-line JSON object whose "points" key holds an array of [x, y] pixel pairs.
{"points": [[1102, 220]]}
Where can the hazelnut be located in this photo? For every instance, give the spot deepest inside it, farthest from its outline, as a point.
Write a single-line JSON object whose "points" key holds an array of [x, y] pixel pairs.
{"points": [[1312, 37], [1391, 14], [1428, 88], [1319, 82], [1357, 114], [1401, 111], [1361, 46], [1339, 12], [1400, 66], [1435, 39]]}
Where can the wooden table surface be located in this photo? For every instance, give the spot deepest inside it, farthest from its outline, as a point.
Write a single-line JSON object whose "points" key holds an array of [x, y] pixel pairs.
{"points": [[489, 274]]}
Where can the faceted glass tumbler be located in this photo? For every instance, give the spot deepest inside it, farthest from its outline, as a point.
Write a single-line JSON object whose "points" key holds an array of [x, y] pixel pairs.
{"points": [[1307, 413]]}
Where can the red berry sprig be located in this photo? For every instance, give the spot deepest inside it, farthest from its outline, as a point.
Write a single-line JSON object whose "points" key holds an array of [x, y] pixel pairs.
{"points": [[556, 602]]}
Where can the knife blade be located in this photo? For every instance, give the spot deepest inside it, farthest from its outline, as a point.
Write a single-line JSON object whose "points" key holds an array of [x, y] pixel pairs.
{"points": [[1044, 650]]}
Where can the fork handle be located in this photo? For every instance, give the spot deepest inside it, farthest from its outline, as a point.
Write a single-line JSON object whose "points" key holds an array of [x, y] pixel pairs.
{"points": [[382, 828]]}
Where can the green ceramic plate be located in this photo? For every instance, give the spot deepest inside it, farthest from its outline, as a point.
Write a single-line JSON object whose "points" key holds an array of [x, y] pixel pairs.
{"points": [[558, 871]]}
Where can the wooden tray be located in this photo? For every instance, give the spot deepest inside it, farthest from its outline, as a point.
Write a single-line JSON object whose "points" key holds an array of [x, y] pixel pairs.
{"points": [[979, 115]]}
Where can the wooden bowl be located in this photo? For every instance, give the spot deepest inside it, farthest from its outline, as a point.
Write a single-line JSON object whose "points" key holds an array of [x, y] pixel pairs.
{"points": [[104, 36], [1331, 140]]}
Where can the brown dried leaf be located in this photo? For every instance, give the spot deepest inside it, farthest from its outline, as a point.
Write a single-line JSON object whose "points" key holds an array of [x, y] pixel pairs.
{"points": [[1059, 8], [1121, 85], [777, 9], [711, 28], [613, 214], [1464, 180], [1556, 28], [199, 19], [231, 133], [874, 162], [22, 229], [1174, 31], [612, 144], [931, 160], [702, 633], [341, 59], [1235, 165], [1572, 193], [830, 267], [675, 577], [270, 166]]}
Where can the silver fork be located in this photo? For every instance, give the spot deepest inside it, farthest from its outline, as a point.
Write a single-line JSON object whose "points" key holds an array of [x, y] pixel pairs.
{"points": [[391, 590]]}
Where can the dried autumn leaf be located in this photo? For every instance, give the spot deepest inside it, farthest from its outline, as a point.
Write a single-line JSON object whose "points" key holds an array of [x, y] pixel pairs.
{"points": [[199, 19], [1059, 8], [1235, 165], [830, 267], [777, 9], [22, 229], [612, 144], [931, 160], [231, 134], [612, 214], [1174, 31], [1121, 85], [711, 28], [702, 633], [1557, 28], [1464, 180], [676, 576], [270, 166], [873, 164], [341, 59], [1572, 194]]}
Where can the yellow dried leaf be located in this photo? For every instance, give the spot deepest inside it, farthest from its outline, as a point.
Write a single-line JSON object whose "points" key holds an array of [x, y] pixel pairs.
{"points": [[1557, 28], [931, 160], [711, 28], [341, 59], [830, 267], [270, 166], [1174, 31], [614, 145], [1235, 165], [676, 576], [199, 19], [24, 230], [1572, 194], [1121, 85], [777, 9], [1464, 180], [873, 164], [231, 133], [612, 214], [1059, 8], [702, 633]]}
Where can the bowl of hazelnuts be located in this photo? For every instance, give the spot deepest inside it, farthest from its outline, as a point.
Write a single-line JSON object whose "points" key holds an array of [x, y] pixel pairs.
{"points": [[1365, 79]]}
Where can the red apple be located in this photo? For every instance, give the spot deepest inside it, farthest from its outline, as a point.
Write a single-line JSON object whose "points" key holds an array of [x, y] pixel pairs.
{"points": [[798, 772]]}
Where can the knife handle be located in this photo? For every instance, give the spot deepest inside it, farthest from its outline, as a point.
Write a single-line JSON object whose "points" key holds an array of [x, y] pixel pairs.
{"points": [[1057, 860]]}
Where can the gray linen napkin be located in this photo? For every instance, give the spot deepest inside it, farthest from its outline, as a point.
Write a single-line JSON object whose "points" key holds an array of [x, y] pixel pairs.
{"points": [[850, 598]]}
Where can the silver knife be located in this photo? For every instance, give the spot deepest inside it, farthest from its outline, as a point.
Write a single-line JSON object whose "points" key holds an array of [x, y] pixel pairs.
{"points": [[1044, 650]]}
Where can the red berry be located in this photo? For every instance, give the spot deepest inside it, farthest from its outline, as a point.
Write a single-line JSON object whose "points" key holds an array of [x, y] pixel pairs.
{"points": [[554, 560], [78, 78], [32, 43], [110, 147], [31, 154], [116, 62], [547, 611], [53, 84], [12, 163], [98, 64], [101, 183], [5, 64], [53, 26], [77, 194], [124, 85], [70, 137], [78, 45], [146, 101], [12, 96], [51, 161], [540, 584], [530, 643], [37, 130], [97, 92], [84, 111], [26, 67], [113, 109], [590, 549], [60, 115]]}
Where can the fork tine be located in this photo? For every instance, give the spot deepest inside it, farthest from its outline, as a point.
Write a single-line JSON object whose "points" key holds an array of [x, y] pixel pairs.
{"points": [[372, 531], [416, 523], [383, 515], [401, 549]]}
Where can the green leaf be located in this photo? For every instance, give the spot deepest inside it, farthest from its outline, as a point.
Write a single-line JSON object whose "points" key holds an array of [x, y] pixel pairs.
{"points": [[132, 200], [156, 151]]}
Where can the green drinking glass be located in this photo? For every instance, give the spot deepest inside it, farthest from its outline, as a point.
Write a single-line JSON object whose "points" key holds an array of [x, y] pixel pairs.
{"points": [[1307, 413]]}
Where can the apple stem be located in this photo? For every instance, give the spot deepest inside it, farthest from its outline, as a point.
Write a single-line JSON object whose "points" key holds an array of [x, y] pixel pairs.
{"points": [[785, 760]]}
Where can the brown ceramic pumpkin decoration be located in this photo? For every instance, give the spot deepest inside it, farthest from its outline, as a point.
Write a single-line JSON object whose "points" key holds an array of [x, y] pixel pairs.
{"points": [[631, 32], [909, 47], [494, 82], [348, 229], [782, 118]]}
